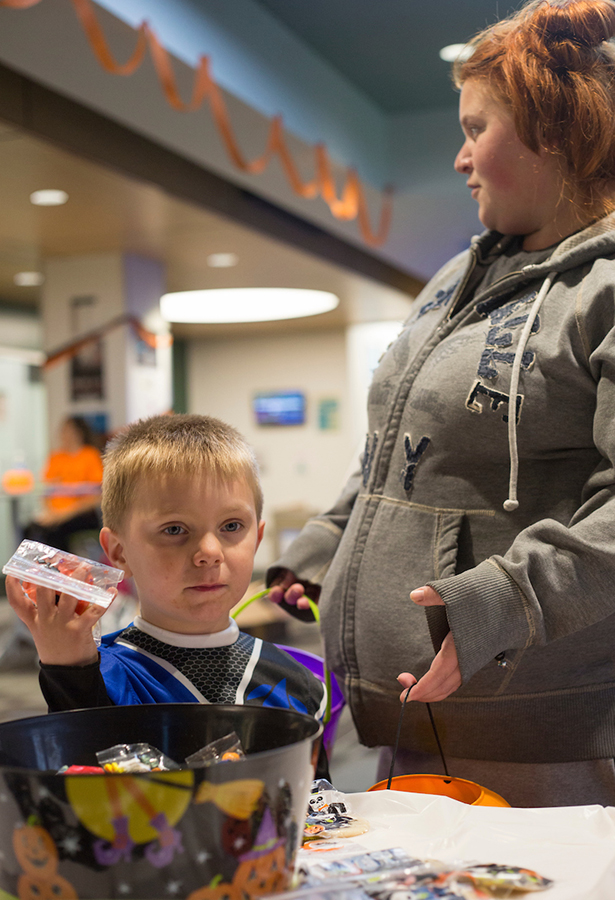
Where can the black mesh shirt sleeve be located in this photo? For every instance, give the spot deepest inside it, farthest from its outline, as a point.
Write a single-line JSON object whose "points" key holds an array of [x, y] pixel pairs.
{"points": [[73, 687]]}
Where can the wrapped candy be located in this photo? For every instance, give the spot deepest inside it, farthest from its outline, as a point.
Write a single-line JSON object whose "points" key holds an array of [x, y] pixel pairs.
{"points": [[503, 880], [329, 814], [134, 758], [394, 874], [363, 866], [225, 749], [85, 579]]}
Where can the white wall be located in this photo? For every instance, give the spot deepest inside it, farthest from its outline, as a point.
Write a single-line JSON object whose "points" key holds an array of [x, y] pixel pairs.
{"points": [[21, 330], [23, 425], [118, 284], [299, 464], [366, 342]]}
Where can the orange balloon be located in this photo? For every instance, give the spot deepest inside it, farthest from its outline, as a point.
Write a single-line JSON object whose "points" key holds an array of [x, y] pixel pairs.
{"points": [[17, 481]]}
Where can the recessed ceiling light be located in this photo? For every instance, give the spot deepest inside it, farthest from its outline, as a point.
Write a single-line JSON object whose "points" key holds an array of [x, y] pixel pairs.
{"points": [[222, 260], [28, 279], [456, 51], [48, 198], [245, 304]]}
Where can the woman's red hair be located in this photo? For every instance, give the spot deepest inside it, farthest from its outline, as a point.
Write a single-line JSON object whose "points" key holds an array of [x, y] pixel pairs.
{"points": [[551, 65]]}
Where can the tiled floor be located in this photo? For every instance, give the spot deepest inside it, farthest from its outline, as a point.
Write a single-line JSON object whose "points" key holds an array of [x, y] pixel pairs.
{"points": [[353, 767]]}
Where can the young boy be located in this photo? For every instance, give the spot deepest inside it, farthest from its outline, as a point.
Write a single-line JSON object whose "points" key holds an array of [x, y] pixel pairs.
{"points": [[181, 504]]}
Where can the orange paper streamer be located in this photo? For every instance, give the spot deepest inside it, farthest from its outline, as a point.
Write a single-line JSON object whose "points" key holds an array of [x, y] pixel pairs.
{"points": [[98, 43], [67, 351], [19, 4], [351, 204]]}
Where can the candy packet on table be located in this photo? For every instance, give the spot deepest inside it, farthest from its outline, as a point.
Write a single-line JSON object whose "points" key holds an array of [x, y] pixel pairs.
{"points": [[329, 814], [394, 889], [428, 890], [438, 880], [424, 881], [385, 875], [395, 875], [359, 866], [224, 749], [322, 892], [502, 881], [63, 572], [134, 758]]}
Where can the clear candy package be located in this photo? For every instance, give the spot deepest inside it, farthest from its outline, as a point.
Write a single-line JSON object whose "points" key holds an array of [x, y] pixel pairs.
{"points": [[504, 880], [395, 875], [329, 814], [324, 892], [225, 749], [85, 579], [134, 758], [365, 865]]}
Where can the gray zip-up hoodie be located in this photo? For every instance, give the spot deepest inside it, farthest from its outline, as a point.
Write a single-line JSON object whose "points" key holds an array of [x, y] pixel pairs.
{"points": [[513, 523]]}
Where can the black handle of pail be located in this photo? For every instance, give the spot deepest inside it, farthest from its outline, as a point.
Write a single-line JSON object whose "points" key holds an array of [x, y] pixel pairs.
{"points": [[396, 745]]}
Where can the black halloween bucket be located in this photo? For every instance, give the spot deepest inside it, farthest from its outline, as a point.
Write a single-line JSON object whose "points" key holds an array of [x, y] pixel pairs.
{"points": [[226, 832]]}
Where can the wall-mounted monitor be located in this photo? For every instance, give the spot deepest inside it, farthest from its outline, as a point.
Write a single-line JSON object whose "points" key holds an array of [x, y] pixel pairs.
{"points": [[280, 408]]}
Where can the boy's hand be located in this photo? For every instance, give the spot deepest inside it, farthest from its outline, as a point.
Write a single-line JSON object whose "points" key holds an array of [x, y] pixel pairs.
{"points": [[62, 630], [290, 590]]}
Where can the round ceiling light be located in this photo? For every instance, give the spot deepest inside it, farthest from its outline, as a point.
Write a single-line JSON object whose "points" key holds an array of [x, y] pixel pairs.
{"points": [[222, 260], [452, 52], [28, 279], [48, 198], [245, 304]]}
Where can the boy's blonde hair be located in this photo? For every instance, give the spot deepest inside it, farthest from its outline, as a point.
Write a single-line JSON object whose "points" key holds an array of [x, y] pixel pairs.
{"points": [[173, 445]]}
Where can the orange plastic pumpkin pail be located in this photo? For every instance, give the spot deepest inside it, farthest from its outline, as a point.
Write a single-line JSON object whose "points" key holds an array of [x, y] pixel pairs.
{"points": [[456, 788]]}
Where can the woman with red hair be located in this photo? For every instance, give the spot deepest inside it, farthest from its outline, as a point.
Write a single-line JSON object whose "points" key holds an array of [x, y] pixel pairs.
{"points": [[474, 551]]}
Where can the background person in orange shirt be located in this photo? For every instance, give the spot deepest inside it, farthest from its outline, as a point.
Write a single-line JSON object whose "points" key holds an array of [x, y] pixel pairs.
{"points": [[73, 475]]}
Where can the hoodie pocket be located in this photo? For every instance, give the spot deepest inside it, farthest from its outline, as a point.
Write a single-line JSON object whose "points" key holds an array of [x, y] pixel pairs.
{"points": [[407, 547], [446, 554]]}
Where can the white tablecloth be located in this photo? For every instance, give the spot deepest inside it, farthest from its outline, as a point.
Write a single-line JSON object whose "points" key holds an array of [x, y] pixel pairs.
{"points": [[574, 845]]}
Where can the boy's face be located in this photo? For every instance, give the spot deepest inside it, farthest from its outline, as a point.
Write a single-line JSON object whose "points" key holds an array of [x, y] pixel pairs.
{"points": [[189, 542]]}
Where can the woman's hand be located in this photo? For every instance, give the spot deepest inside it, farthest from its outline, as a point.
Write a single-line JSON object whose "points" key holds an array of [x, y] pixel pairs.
{"points": [[426, 596], [286, 587], [444, 675], [62, 630]]}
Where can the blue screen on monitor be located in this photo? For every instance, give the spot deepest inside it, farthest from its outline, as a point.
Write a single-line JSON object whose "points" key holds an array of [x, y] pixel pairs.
{"points": [[280, 408]]}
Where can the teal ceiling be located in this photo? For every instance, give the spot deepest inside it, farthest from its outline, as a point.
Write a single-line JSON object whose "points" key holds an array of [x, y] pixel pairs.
{"points": [[389, 48]]}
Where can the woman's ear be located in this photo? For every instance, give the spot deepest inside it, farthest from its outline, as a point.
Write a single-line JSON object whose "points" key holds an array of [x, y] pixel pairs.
{"points": [[114, 550]]}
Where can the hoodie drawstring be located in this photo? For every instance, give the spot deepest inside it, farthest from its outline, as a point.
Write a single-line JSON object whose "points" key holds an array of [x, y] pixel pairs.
{"points": [[512, 503]]}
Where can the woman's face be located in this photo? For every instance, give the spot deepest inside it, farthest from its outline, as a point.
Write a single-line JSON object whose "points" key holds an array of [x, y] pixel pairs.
{"points": [[517, 191]]}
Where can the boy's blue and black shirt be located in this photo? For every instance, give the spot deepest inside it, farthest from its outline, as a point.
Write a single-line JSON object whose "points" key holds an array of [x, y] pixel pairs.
{"points": [[137, 666]]}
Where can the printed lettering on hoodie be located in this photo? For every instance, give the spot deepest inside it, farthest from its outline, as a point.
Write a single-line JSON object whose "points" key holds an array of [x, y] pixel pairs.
{"points": [[506, 323], [441, 299]]}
